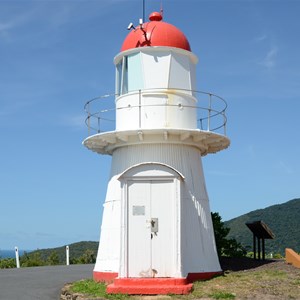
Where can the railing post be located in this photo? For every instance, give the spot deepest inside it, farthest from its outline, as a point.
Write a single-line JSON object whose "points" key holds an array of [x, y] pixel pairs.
{"points": [[98, 124], [209, 110], [201, 124], [89, 116], [140, 109], [224, 120]]}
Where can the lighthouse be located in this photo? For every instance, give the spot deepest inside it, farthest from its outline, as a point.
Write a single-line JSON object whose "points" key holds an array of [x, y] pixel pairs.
{"points": [[156, 235]]}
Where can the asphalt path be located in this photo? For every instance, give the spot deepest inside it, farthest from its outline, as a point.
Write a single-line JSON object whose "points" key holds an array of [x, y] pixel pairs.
{"points": [[40, 283]]}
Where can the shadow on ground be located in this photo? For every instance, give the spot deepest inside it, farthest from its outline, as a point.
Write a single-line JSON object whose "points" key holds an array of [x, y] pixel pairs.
{"points": [[242, 263]]}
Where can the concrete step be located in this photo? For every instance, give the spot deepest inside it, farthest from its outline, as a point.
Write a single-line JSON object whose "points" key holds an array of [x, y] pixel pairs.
{"points": [[150, 286]]}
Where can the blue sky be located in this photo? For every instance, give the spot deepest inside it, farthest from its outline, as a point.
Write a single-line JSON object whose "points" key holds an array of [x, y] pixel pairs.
{"points": [[55, 55]]}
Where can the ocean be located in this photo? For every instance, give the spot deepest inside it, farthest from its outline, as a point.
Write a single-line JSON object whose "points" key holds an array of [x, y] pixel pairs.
{"points": [[11, 253]]}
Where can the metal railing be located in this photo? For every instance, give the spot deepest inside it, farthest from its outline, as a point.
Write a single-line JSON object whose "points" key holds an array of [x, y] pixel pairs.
{"points": [[210, 108]]}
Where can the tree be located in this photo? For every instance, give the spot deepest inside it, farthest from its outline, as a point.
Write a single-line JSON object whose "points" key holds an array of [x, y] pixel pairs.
{"points": [[88, 257], [32, 260], [225, 247], [53, 258], [7, 263]]}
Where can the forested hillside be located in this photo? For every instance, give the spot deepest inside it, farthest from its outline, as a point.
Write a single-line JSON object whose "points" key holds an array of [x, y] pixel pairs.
{"points": [[76, 251], [283, 220]]}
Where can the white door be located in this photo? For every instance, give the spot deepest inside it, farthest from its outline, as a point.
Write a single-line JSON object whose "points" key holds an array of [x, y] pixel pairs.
{"points": [[151, 211]]}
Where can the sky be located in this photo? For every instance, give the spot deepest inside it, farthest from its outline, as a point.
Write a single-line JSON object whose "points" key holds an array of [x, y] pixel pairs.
{"points": [[55, 55]]}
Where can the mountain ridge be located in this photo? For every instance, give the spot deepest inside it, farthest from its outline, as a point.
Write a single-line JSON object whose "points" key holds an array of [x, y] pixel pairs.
{"points": [[283, 219], [76, 250]]}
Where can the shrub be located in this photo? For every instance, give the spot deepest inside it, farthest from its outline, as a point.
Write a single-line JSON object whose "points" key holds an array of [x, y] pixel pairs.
{"points": [[7, 263], [225, 247], [53, 258], [34, 260]]}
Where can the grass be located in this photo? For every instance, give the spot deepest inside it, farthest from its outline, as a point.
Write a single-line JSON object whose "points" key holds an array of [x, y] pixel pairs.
{"points": [[89, 287], [249, 285], [278, 283], [222, 295], [95, 289]]}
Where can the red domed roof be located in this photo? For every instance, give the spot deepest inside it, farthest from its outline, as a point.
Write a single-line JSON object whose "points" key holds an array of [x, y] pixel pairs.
{"points": [[156, 33]]}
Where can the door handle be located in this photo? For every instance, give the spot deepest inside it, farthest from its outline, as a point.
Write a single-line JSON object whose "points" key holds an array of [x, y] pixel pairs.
{"points": [[154, 225]]}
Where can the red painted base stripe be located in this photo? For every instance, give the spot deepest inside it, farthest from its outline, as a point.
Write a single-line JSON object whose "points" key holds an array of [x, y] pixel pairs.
{"points": [[107, 277], [150, 290], [202, 276], [150, 286], [150, 281]]}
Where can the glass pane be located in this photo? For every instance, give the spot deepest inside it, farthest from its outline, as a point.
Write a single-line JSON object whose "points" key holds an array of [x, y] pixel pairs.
{"points": [[135, 75], [157, 66], [118, 77], [180, 72], [124, 83]]}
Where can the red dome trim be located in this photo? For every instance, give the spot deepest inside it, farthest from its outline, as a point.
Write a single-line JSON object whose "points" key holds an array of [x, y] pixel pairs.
{"points": [[156, 33], [155, 16]]}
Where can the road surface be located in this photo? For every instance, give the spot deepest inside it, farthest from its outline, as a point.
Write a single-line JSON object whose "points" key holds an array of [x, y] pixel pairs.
{"points": [[40, 283]]}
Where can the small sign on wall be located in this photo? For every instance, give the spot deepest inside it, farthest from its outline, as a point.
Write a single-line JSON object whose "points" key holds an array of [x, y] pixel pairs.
{"points": [[138, 210]]}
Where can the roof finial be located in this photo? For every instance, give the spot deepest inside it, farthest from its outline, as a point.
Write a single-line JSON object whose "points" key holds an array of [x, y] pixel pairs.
{"points": [[155, 16]]}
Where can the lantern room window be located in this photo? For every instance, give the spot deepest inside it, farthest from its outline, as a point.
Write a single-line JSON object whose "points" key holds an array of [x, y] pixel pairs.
{"points": [[159, 70], [129, 74]]}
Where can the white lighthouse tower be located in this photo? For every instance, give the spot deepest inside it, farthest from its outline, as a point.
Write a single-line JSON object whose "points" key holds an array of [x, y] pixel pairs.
{"points": [[156, 234]]}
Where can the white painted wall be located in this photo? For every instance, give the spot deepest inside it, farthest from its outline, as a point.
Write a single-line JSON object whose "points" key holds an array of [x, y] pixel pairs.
{"points": [[108, 257], [196, 237], [166, 77], [156, 109]]}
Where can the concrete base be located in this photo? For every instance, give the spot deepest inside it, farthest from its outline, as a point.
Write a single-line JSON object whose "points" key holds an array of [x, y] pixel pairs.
{"points": [[150, 286], [157, 286]]}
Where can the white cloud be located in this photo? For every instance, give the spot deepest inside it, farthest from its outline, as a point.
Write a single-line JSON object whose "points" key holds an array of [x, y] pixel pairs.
{"points": [[13, 21], [260, 38], [76, 121], [5, 26], [269, 60], [284, 167]]}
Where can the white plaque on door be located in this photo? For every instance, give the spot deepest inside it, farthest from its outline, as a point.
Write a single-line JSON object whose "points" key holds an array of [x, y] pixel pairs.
{"points": [[138, 210]]}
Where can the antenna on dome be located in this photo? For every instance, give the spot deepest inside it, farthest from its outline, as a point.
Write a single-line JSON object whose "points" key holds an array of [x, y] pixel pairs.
{"points": [[130, 26], [161, 8], [143, 10]]}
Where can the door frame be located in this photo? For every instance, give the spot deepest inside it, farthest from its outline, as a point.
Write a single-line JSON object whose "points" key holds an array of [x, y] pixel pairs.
{"points": [[149, 172]]}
